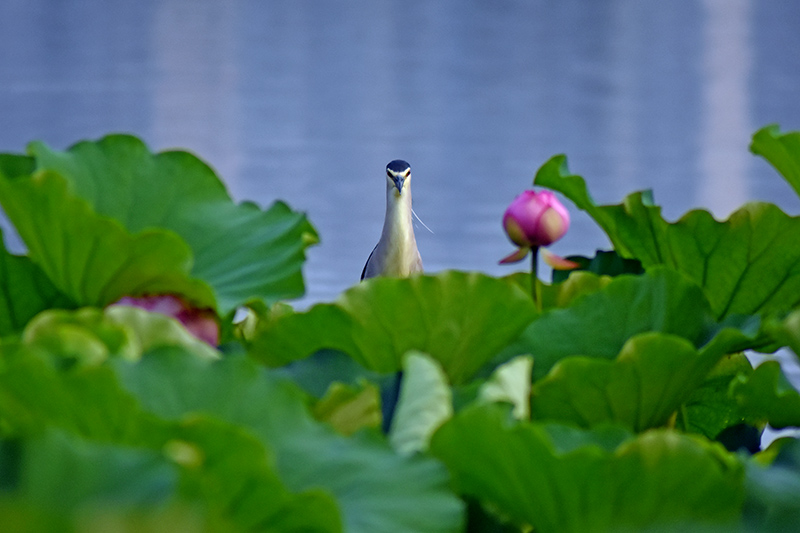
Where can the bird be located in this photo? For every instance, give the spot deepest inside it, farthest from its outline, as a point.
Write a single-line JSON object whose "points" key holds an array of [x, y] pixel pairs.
{"points": [[396, 253]]}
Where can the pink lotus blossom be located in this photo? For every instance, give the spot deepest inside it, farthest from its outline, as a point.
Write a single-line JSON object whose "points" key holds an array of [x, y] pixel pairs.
{"points": [[532, 220], [201, 323]]}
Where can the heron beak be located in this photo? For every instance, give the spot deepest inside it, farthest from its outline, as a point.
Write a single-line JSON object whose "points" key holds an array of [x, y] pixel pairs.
{"points": [[398, 183]]}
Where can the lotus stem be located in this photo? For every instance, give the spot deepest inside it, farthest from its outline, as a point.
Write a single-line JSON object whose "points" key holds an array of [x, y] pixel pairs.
{"points": [[536, 293]]}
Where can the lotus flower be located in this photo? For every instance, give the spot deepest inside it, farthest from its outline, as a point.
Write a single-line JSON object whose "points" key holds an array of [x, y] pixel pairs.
{"points": [[201, 323], [532, 220]]}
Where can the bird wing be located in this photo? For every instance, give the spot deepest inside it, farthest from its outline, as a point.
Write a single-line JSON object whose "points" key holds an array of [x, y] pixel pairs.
{"points": [[364, 272]]}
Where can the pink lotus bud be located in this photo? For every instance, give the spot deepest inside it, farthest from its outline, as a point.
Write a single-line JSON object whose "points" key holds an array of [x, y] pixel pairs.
{"points": [[201, 323], [532, 220]]}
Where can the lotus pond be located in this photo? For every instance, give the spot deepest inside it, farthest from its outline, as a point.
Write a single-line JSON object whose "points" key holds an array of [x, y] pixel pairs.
{"points": [[621, 401]]}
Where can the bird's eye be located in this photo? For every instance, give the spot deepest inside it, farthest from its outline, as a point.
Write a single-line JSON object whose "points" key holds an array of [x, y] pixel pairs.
{"points": [[389, 173]]}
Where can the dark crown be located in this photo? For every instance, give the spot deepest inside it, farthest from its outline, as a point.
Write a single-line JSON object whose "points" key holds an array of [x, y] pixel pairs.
{"points": [[397, 166]]}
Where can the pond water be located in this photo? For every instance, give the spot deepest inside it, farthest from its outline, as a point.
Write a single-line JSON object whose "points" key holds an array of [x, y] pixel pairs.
{"points": [[307, 101]]}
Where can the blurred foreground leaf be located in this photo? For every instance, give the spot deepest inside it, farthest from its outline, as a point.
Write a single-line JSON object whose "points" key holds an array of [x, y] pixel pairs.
{"points": [[711, 408], [63, 483], [425, 403], [773, 490], [223, 467], [374, 488], [348, 409], [556, 478], [642, 388]]}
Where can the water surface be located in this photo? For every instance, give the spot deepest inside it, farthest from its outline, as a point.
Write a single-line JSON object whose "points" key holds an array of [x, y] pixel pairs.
{"points": [[307, 101]]}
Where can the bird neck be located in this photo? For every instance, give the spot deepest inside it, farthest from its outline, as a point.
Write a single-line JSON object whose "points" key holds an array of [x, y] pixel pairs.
{"points": [[397, 226]]}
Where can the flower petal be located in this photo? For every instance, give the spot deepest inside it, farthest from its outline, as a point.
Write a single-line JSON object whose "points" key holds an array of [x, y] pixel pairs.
{"points": [[515, 257], [557, 262]]}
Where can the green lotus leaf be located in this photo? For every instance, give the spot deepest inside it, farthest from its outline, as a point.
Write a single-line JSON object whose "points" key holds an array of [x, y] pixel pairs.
{"points": [[348, 408], [603, 263], [204, 462], [60, 472], [79, 485], [223, 466], [711, 409], [747, 264], [766, 396], [113, 219], [773, 489], [57, 375], [661, 301], [562, 293], [425, 403], [152, 330], [511, 383], [782, 150], [376, 489], [231, 470], [318, 373], [785, 331], [460, 319], [58, 482], [23, 517], [90, 335], [24, 291], [642, 388], [92, 259], [557, 478], [40, 389], [209, 477], [83, 337]]}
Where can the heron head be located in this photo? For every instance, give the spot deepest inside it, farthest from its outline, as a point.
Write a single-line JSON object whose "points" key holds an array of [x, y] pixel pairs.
{"points": [[398, 172]]}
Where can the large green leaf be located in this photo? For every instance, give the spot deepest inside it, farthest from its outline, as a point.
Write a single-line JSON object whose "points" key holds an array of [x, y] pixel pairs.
{"points": [[766, 396], [642, 388], [511, 383], [206, 462], [110, 218], [782, 150], [773, 490], [600, 323], [224, 467], [556, 478], [39, 389], [710, 409], [747, 264], [61, 472], [562, 293], [349, 409], [24, 291], [786, 331], [90, 335], [91, 258], [425, 402], [57, 482], [231, 470], [57, 375], [376, 489], [460, 319]]}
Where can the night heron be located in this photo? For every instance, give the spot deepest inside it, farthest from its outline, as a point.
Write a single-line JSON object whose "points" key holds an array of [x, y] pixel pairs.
{"points": [[396, 253]]}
